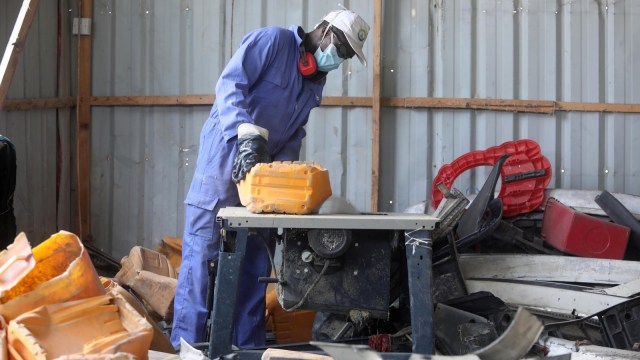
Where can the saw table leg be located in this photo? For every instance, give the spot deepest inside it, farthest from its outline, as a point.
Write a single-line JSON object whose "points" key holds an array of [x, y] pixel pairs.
{"points": [[226, 290], [418, 252]]}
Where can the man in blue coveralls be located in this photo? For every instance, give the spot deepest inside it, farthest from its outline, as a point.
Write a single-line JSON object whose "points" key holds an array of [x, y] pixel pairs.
{"points": [[263, 100]]}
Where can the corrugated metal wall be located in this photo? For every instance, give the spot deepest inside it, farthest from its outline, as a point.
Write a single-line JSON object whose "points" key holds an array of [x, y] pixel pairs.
{"points": [[582, 51], [34, 132], [143, 157]]}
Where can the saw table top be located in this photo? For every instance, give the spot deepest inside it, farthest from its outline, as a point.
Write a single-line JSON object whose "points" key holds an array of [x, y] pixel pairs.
{"points": [[240, 217]]}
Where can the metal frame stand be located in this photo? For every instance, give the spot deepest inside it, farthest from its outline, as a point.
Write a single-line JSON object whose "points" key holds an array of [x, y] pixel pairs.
{"points": [[238, 222], [419, 261], [232, 251]]}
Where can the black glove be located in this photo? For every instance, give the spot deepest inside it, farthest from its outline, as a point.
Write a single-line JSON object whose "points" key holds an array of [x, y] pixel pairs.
{"points": [[252, 149]]}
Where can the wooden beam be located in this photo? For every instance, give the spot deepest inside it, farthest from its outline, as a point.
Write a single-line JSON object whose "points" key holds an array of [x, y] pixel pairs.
{"points": [[375, 111], [534, 106], [531, 106], [83, 130], [510, 105], [206, 100], [152, 100], [597, 107], [16, 45], [347, 101], [32, 104]]}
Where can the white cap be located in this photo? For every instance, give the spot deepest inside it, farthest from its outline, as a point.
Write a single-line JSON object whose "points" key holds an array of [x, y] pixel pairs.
{"points": [[353, 27]]}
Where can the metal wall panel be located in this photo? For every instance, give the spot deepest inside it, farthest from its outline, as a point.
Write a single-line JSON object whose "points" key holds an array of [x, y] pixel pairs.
{"points": [[577, 51], [143, 157], [33, 133]]}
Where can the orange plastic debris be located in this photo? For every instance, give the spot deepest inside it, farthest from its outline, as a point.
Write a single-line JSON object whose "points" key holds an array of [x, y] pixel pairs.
{"points": [[15, 262], [63, 272], [159, 341], [151, 277], [288, 326], [285, 187], [171, 247], [141, 258], [3, 339], [104, 324]]}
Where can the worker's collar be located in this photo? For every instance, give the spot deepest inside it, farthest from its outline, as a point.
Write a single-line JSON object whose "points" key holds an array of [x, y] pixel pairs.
{"points": [[298, 31]]}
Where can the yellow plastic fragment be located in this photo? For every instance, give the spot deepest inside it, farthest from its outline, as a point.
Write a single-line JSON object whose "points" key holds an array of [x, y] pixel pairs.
{"points": [[285, 187], [105, 324], [63, 272]]}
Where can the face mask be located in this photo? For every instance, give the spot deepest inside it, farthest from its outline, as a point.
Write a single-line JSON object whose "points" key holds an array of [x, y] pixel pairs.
{"points": [[328, 59]]}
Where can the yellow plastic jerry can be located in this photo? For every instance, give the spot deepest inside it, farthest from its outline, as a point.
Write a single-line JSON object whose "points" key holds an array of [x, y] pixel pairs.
{"points": [[290, 187]]}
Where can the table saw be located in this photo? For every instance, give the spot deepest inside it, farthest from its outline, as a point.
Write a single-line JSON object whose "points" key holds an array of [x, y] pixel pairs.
{"points": [[330, 262]]}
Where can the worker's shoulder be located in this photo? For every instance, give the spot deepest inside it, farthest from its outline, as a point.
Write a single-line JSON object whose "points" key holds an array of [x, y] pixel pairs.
{"points": [[273, 33], [276, 30]]}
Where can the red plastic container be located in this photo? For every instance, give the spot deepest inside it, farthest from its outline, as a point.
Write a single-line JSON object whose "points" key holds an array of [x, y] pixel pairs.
{"points": [[524, 176], [580, 234]]}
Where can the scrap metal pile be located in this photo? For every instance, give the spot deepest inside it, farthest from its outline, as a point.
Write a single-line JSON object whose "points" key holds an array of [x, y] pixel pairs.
{"points": [[566, 258]]}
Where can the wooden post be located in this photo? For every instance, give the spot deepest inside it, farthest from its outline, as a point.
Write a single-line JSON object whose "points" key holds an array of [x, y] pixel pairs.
{"points": [[83, 112], [15, 45], [375, 128]]}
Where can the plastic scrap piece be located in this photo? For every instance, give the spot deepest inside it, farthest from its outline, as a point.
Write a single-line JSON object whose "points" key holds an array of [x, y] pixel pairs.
{"points": [[105, 324], [160, 341], [63, 272], [620, 215], [580, 234], [515, 342], [15, 262], [152, 277], [290, 187], [525, 174]]}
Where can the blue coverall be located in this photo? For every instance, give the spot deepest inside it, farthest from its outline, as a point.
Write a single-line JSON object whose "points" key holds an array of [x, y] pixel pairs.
{"points": [[261, 84]]}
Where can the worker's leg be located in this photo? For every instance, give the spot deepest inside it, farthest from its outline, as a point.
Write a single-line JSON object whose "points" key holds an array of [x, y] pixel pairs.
{"points": [[200, 242], [249, 326]]}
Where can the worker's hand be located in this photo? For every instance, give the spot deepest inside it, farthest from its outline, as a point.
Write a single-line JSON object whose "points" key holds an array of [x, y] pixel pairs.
{"points": [[252, 149]]}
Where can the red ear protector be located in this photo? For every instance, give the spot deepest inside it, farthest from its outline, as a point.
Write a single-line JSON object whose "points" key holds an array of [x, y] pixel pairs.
{"points": [[307, 63]]}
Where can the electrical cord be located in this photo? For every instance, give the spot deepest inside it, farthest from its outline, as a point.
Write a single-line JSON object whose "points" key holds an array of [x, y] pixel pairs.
{"points": [[306, 294], [313, 285]]}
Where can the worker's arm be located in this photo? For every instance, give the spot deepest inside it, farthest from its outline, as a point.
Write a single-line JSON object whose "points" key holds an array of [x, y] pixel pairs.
{"points": [[252, 149], [245, 67]]}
